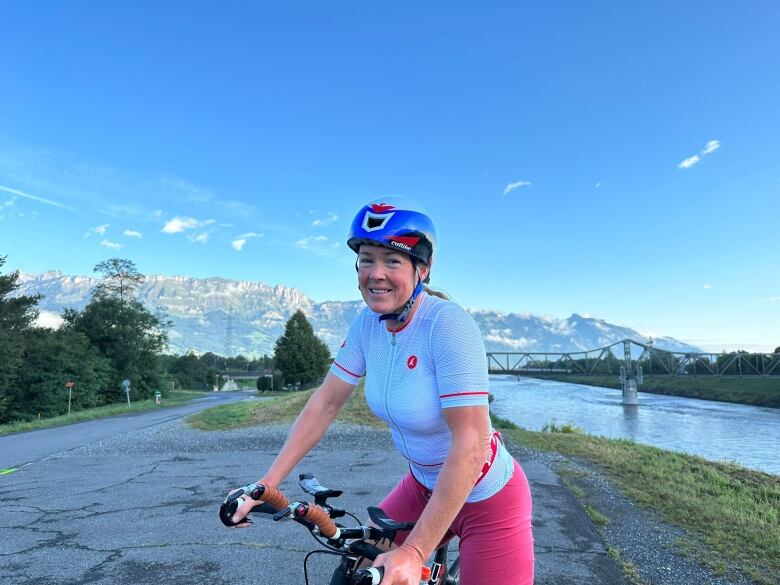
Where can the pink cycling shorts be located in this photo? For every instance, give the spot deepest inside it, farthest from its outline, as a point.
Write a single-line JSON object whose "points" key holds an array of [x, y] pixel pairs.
{"points": [[496, 540]]}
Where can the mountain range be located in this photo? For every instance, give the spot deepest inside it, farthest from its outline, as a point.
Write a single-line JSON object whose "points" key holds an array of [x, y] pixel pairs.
{"points": [[232, 317]]}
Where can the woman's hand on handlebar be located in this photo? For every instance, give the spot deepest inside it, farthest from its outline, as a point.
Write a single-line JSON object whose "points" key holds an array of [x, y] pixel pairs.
{"points": [[402, 566], [241, 513]]}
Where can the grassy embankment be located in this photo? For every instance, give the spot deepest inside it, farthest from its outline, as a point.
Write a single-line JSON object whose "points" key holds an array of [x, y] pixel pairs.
{"points": [[732, 513], [282, 408], [174, 398], [755, 391]]}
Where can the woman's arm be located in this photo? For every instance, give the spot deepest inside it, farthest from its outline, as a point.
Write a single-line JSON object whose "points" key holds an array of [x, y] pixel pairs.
{"points": [[315, 418], [470, 428]]}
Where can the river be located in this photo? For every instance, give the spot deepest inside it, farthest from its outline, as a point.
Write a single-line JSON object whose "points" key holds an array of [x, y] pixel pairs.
{"points": [[718, 431]]}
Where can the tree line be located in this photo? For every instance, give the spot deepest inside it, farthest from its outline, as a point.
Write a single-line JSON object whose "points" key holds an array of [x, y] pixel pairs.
{"points": [[113, 338]]}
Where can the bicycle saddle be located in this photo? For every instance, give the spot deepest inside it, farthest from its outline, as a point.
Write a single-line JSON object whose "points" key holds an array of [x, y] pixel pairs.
{"points": [[379, 518]]}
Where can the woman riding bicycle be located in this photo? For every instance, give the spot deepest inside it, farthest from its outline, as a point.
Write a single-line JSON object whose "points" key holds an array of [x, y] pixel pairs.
{"points": [[426, 376]]}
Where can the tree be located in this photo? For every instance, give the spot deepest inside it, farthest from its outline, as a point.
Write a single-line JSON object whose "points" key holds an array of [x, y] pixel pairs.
{"points": [[129, 336], [191, 371], [274, 381], [123, 330], [17, 314], [52, 358], [299, 354], [777, 349], [120, 279]]}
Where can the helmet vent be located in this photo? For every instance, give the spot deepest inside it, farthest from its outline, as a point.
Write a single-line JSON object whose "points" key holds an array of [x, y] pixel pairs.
{"points": [[375, 221]]}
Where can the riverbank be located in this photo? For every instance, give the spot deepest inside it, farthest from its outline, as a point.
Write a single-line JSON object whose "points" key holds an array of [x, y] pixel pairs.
{"points": [[727, 517], [174, 398], [753, 391]]}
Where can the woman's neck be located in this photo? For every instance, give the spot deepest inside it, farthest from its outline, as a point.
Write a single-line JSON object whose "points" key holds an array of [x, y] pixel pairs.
{"points": [[393, 325]]}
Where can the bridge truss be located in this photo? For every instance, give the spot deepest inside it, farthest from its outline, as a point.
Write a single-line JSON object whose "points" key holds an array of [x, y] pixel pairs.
{"points": [[631, 355]]}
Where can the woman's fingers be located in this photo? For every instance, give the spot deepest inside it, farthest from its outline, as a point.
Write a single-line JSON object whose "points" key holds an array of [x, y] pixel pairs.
{"points": [[243, 510]]}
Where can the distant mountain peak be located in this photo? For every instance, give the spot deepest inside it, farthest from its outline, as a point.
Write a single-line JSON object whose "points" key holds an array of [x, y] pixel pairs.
{"points": [[203, 310]]}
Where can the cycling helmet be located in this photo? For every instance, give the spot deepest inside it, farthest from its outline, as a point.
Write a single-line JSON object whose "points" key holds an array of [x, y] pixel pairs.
{"points": [[399, 224], [396, 223]]}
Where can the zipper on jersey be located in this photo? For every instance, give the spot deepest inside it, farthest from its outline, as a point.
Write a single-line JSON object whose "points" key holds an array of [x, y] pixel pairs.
{"points": [[387, 395]]}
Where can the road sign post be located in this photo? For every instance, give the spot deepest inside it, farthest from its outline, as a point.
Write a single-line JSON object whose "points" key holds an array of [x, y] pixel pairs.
{"points": [[126, 386], [69, 386]]}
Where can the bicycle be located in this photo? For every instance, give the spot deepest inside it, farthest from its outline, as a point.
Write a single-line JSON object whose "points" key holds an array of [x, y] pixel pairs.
{"points": [[353, 544]]}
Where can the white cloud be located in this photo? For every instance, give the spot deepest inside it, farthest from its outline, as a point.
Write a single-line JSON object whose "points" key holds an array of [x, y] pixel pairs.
{"points": [[689, 162], [9, 203], [180, 224], [597, 185], [34, 198], [200, 238], [769, 300], [517, 185], [711, 146], [306, 243], [708, 286], [99, 230], [327, 220], [238, 243], [133, 234], [110, 244]]}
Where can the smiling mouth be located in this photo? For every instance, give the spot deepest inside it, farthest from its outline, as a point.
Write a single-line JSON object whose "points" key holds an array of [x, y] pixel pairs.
{"points": [[378, 291]]}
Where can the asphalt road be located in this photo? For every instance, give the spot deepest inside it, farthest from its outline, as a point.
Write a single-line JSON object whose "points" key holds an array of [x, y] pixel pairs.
{"points": [[140, 506], [22, 449], [134, 500]]}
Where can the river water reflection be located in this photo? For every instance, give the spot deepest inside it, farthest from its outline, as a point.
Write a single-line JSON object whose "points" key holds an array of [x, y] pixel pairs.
{"points": [[719, 431]]}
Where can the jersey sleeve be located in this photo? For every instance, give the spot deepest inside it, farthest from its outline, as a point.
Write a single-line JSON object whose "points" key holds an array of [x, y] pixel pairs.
{"points": [[350, 362], [459, 358]]}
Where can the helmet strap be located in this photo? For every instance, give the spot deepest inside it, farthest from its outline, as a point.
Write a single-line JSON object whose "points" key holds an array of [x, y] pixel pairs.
{"points": [[404, 313]]}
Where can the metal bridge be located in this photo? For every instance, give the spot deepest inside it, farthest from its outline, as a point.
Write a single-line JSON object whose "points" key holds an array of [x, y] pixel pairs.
{"points": [[632, 357]]}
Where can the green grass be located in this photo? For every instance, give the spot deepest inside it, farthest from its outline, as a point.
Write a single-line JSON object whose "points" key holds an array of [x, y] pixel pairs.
{"points": [[596, 516], [755, 391], [732, 511], [280, 409], [174, 398]]}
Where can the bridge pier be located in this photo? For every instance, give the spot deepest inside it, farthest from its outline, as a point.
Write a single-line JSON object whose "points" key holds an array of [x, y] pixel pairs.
{"points": [[630, 391]]}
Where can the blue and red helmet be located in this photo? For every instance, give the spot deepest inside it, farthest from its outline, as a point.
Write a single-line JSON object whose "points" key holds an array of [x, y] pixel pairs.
{"points": [[396, 223]]}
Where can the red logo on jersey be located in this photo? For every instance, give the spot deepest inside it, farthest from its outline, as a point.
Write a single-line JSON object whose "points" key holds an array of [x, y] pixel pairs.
{"points": [[411, 362], [381, 207]]}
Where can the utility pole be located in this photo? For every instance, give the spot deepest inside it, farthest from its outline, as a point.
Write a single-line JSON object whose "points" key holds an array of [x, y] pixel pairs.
{"points": [[228, 334]]}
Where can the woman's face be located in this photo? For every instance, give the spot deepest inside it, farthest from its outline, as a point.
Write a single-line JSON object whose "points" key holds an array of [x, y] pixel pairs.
{"points": [[386, 278]]}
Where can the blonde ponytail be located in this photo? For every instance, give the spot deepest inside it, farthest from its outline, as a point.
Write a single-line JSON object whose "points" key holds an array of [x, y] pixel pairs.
{"points": [[436, 293]]}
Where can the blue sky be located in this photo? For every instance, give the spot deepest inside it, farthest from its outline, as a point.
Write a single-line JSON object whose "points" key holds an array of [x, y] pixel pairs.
{"points": [[612, 159]]}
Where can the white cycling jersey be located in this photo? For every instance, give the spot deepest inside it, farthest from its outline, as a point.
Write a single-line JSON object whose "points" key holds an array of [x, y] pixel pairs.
{"points": [[436, 361]]}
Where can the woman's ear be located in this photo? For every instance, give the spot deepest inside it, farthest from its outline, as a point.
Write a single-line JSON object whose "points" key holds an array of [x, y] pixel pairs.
{"points": [[425, 271]]}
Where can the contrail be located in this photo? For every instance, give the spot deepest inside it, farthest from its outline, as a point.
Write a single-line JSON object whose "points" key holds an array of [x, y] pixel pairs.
{"points": [[34, 198]]}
